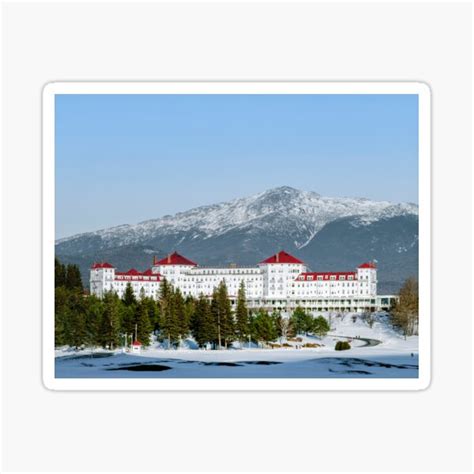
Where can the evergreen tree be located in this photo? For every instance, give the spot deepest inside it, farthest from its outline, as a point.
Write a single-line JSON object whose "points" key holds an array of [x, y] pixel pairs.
{"points": [[301, 320], [127, 321], [129, 296], [153, 313], [94, 314], [252, 316], [195, 322], [320, 326], [59, 273], [169, 327], [241, 314], [74, 319], [60, 315], [73, 279], [202, 323], [59, 329], [263, 327], [189, 307], [181, 314], [110, 324], [70, 306], [227, 317], [223, 317], [142, 322], [404, 314], [216, 317]]}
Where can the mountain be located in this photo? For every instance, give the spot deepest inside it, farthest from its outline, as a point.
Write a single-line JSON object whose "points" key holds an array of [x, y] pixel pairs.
{"points": [[328, 233], [346, 242]]}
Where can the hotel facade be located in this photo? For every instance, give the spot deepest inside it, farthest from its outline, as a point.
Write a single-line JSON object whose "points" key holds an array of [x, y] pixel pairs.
{"points": [[280, 282]]}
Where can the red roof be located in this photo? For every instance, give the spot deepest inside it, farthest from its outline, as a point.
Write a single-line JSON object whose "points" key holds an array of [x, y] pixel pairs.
{"points": [[101, 265], [368, 265], [132, 271], [136, 343], [175, 259], [311, 276], [282, 257], [135, 275]]}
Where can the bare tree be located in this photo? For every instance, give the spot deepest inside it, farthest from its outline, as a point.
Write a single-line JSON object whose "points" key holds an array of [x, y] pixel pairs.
{"points": [[285, 327], [404, 313]]}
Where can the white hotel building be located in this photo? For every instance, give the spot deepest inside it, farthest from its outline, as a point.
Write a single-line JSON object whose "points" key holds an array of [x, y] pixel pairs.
{"points": [[280, 282]]}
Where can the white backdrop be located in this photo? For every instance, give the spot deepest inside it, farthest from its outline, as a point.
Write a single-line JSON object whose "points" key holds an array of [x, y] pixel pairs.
{"points": [[220, 431]]}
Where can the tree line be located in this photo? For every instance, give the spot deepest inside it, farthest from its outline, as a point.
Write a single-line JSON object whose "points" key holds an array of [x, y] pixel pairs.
{"points": [[111, 322], [82, 320]]}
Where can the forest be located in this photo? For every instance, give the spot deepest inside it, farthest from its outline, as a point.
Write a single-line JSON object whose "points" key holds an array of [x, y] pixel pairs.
{"points": [[83, 320]]}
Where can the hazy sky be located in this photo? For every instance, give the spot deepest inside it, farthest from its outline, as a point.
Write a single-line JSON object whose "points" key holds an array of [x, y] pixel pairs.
{"points": [[126, 158]]}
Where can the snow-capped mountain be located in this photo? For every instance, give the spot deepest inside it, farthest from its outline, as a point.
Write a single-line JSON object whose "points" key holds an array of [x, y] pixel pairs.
{"points": [[286, 209], [248, 229]]}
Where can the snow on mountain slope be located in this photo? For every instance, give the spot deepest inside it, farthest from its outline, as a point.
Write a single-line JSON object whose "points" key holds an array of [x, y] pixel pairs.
{"points": [[301, 213]]}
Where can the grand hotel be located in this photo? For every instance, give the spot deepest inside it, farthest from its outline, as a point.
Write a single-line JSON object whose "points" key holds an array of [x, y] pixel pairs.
{"points": [[280, 282]]}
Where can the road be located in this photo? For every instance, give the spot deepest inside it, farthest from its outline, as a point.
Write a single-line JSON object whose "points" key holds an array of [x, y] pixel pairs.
{"points": [[368, 342]]}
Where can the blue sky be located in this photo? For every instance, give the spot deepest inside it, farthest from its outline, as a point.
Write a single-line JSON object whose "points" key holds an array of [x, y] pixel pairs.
{"points": [[126, 158]]}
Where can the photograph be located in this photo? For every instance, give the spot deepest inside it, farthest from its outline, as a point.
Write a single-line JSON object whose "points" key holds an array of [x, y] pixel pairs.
{"points": [[206, 232], [233, 231]]}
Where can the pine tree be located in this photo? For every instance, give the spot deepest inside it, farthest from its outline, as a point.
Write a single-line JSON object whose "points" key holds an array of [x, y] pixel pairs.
{"points": [[223, 317], [263, 327], [181, 315], [241, 314], [61, 299], [320, 326], [202, 323], [216, 316], [169, 327], [110, 325], [227, 315], [59, 329], [301, 320], [59, 273], [153, 313], [195, 322], [142, 322], [74, 317], [189, 307], [94, 314], [129, 296], [70, 306], [73, 279], [127, 321]]}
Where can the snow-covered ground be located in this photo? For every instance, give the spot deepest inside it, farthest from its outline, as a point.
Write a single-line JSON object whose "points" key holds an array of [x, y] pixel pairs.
{"points": [[380, 352]]}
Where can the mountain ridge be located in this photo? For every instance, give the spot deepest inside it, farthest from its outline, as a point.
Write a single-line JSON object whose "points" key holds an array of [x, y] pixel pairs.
{"points": [[378, 209]]}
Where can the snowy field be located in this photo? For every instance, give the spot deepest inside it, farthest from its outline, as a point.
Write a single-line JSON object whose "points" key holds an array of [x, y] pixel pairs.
{"points": [[379, 353]]}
